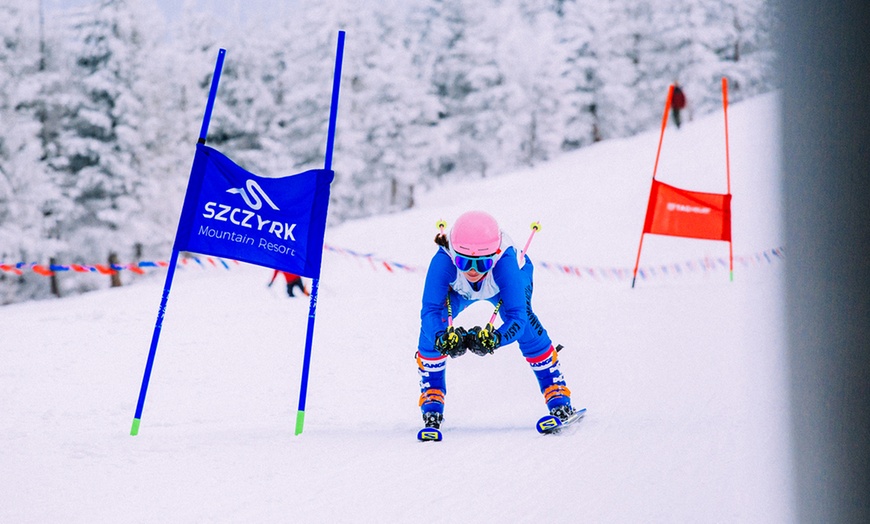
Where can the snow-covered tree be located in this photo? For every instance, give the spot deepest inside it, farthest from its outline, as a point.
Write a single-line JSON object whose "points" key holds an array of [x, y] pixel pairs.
{"points": [[300, 69], [390, 118], [100, 112], [576, 40], [25, 190], [533, 112], [175, 94], [750, 61], [244, 106], [97, 151]]}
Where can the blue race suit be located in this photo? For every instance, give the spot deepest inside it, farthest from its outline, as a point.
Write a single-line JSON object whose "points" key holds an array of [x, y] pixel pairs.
{"points": [[510, 284], [514, 287]]}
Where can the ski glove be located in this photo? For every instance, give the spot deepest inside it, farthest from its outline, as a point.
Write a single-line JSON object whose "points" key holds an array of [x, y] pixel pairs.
{"points": [[451, 341], [483, 340]]}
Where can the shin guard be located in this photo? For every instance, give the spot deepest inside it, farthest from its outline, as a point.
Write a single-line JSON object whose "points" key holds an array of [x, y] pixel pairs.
{"points": [[433, 387], [550, 379]]}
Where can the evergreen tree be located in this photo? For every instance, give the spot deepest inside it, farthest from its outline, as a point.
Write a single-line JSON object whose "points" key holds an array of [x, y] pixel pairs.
{"points": [[471, 87], [245, 106], [576, 33], [751, 59], [300, 67], [24, 187], [532, 63], [177, 78], [100, 112], [98, 147], [619, 35], [390, 118]]}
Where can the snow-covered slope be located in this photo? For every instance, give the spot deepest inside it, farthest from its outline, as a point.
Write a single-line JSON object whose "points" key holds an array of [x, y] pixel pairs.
{"points": [[683, 376]]}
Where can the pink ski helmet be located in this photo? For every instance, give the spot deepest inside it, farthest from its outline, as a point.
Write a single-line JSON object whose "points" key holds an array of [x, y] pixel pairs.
{"points": [[475, 234]]}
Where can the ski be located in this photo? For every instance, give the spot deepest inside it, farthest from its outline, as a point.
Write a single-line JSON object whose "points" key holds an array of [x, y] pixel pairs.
{"points": [[547, 425], [551, 425], [429, 435]]}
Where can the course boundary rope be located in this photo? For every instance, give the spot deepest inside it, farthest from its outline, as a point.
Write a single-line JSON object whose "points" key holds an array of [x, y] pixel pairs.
{"points": [[594, 273]]}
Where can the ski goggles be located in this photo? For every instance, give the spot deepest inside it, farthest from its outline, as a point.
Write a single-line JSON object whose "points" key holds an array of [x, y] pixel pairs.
{"points": [[479, 264]]}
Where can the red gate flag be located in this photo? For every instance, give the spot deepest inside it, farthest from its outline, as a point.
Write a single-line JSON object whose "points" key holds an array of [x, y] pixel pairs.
{"points": [[680, 213], [691, 214]]}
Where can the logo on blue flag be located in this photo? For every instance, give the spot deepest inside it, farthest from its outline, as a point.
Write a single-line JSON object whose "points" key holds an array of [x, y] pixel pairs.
{"points": [[273, 222]]}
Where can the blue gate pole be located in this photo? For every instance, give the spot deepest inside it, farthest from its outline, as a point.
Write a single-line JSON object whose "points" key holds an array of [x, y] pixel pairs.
{"points": [[173, 261], [330, 144]]}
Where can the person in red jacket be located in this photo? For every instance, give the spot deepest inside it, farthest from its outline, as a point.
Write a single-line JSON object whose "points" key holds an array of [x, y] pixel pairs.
{"points": [[678, 102], [293, 281]]}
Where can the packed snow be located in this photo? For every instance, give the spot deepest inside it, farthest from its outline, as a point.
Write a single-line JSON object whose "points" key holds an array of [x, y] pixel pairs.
{"points": [[683, 376]]}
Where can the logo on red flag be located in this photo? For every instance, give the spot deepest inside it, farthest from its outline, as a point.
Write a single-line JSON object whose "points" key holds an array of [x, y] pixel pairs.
{"points": [[676, 212]]}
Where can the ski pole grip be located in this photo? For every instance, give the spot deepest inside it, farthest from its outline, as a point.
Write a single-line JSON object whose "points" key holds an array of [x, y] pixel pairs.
{"points": [[536, 226]]}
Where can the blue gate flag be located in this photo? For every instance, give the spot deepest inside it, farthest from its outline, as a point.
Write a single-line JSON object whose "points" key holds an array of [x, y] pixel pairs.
{"points": [[273, 222]]}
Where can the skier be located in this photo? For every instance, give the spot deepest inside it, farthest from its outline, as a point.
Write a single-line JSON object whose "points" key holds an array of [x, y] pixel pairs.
{"points": [[292, 280], [479, 262], [678, 102]]}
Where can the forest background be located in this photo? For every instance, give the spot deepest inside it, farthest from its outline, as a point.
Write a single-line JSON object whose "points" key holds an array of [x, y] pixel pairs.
{"points": [[100, 104]]}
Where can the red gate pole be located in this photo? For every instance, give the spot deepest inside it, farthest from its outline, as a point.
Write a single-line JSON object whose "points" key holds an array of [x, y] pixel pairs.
{"points": [[728, 171], [655, 169]]}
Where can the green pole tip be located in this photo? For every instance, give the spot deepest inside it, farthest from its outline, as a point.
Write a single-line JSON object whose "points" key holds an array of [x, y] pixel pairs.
{"points": [[300, 421], [135, 429]]}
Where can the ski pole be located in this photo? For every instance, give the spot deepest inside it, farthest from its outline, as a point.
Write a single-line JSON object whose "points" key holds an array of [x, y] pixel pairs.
{"points": [[536, 226], [494, 313], [441, 224]]}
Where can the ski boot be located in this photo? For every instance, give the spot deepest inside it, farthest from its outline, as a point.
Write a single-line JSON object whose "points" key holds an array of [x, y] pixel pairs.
{"points": [[432, 423], [560, 416], [432, 419], [562, 412]]}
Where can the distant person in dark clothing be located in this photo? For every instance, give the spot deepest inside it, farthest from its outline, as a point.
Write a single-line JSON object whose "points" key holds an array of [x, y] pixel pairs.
{"points": [[293, 281], [678, 102]]}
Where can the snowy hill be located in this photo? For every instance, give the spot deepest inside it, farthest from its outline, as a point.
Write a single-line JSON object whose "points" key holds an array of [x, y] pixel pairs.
{"points": [[683, 376]]}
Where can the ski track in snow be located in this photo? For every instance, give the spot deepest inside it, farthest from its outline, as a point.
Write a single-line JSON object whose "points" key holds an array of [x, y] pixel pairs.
{"points": [[683, 377]]}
